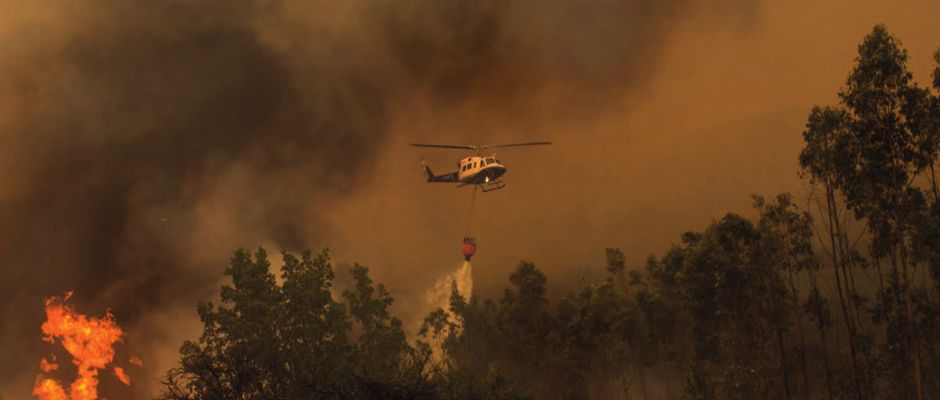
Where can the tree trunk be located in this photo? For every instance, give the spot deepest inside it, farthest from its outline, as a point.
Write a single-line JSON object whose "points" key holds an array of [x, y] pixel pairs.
{"points": [[822, 334], [625, 384], [783, 362], [825, 345], [830, 205], [848, 261], [913, 341], [933, 181], [799, 324], [643, 384]]}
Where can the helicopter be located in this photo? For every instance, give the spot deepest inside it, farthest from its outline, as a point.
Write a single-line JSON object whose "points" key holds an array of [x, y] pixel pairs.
{"points": [[480, 170]]}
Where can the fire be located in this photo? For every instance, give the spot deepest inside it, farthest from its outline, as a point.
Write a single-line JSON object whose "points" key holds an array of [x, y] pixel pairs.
{"points": [[49, 389], [119, 373], [89, 340], [48, 366]]}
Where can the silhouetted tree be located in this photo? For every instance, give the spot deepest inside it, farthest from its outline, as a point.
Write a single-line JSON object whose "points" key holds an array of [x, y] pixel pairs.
{"points": [[294, 341], [786, 236], [936, 71], [888, 148]]}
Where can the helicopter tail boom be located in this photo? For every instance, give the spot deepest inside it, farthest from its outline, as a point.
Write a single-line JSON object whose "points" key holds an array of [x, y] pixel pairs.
{"points": [[446, 178]]}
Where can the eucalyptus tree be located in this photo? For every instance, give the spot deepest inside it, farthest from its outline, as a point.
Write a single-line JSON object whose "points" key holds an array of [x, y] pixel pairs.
{"points": [[887, 149]]}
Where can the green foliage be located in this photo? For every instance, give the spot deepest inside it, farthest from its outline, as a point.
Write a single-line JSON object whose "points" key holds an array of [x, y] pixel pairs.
{"points": [[887, 145], [786, 233], [294, 341], [936, 71], [615, 261], [826, 133]]}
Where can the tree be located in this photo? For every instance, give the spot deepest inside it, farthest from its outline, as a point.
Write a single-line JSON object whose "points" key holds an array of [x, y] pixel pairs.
{"points": [[661, 298], [735, 298], [889, 146], [786, 236], [936, 71], [385, 365], [294, 341], [824, 160]]}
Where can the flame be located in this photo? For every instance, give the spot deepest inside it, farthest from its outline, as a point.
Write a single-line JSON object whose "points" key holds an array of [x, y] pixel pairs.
{"points": [[48, 366], [49, 389], [89, 340], [119, 373]]}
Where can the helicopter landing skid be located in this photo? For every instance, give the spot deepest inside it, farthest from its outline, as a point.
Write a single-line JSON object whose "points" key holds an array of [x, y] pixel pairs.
{"points": [[491, 186]]}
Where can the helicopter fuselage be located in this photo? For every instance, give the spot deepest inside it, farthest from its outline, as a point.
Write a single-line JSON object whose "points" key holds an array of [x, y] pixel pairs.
{"points": [[482, 171], [479, 170]]}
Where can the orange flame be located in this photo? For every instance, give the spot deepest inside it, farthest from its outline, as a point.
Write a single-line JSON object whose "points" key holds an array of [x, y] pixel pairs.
{"points": [[48, 366], [119, 373], [89, 340], [49, 389]]}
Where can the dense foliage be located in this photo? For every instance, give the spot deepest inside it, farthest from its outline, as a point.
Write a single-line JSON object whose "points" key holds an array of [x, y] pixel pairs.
{"points": [[835, 297]]}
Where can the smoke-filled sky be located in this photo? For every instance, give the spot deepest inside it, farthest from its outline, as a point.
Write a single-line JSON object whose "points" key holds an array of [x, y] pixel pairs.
{"points": [[141, 142]]}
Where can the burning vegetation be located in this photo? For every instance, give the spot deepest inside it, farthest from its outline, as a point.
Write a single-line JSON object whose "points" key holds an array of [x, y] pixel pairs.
{"points": [[88, 340]]}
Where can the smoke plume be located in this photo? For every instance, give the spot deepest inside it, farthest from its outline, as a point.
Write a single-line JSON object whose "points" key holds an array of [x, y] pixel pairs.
{"points": [[141, 142]]}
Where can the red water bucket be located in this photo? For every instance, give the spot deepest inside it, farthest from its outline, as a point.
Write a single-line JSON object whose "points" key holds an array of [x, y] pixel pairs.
{"points": [[469, 248]]}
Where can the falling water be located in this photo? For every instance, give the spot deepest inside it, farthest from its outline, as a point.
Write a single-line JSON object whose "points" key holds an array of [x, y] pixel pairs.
{"points": [[438, 297]]}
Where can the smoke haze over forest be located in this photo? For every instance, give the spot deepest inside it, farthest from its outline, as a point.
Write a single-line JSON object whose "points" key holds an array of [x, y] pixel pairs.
{"points": [[142, 142]]}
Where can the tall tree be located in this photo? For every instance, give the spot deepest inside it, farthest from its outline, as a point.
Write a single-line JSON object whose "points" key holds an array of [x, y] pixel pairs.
{"points": [[886, 155]]}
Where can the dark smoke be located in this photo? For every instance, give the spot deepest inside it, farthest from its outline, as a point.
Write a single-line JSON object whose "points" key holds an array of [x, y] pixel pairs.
{"points": [[142, 141]]}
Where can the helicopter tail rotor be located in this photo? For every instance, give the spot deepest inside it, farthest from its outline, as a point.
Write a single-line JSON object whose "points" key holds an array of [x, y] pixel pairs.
{"points": [[427, 171]]}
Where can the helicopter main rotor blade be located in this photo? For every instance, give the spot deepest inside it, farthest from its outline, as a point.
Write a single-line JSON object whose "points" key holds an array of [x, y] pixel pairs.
{"points": [[445, 146], [515, 145]]}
